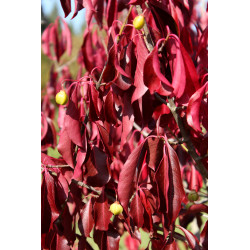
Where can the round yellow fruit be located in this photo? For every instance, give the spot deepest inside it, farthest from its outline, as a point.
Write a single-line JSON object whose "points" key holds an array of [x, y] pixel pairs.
{"points": [[139, 22], [116, 208], [61, 97], [193, 196]]}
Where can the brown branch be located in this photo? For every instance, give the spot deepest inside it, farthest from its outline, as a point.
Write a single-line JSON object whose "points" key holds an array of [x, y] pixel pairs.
{"points": [[57, 166], [124, 23], [79, 183], [147, 37], [59, 68], [191, 149]]}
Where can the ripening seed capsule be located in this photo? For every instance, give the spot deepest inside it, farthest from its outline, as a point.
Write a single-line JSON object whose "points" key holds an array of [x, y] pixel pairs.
{"points": [[116, 208], [193, 196], [61, 97], [139, 22]]}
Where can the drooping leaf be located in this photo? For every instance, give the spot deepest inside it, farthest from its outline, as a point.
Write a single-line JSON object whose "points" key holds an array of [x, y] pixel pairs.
{"points": [[193, 109], [98, 172], [136, 211], [127, 118], [193, 242], [127, 175], [51, 196], [102, 214], [109, 109], [176, 192], [86, 223], [142, 53], [62, 243], [106, 139], [72, 118], [66, 5], [204, 237], [65, 147], [111, 12]]}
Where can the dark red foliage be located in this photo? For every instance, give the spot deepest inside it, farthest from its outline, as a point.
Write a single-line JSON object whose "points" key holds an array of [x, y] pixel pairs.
{"points": [[134, 129]]}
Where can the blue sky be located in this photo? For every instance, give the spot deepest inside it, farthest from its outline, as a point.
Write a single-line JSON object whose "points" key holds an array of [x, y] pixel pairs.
{"points": [[76, 23]]}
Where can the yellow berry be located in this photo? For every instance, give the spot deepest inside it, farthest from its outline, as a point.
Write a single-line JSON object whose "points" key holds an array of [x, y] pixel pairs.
{"points": [[116, 208], [61, 97], [193, 196], [139, 22]]}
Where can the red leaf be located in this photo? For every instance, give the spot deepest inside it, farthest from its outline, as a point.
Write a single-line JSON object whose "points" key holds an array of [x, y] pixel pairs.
{"points": [[176, 65], [127, 175], [142, 53], [80, 4], [65, 147], [99, 4], [62, 243], [131, 243], [109, 109], [106, 139], [197, 208], [155, 151], [204, 237], [147, 206], [113, 239], [176, 192], [66, 38], [171, 246], [49, 134], [71, 120], [150, 78], [83, 244], [193, 108], [136, 211], [48, 160], [166, 88], [100, 238], [86, 219], [45, 208], [50, 185], [110, 72], [66, 5], [102, 214], [93, 107], [98, 172], [127, 118], [111, 12], [162, 178], [136, 2], [46, 41], [44, 126], [192, 239], [80, 158], [192, 78]]}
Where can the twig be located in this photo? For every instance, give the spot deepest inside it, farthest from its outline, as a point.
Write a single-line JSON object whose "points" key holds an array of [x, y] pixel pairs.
{"points": [[79, 183], [57, 166], [179, 236], [147, 37], [98, 84], [59, 68], [191, 150], [144, 133], [124, 23]]}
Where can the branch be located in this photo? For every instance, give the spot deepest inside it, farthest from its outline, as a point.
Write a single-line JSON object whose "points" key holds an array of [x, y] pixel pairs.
{"points": [[147, 37], [79, 183], [191, 149], [124, 23], [59, 68]]}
